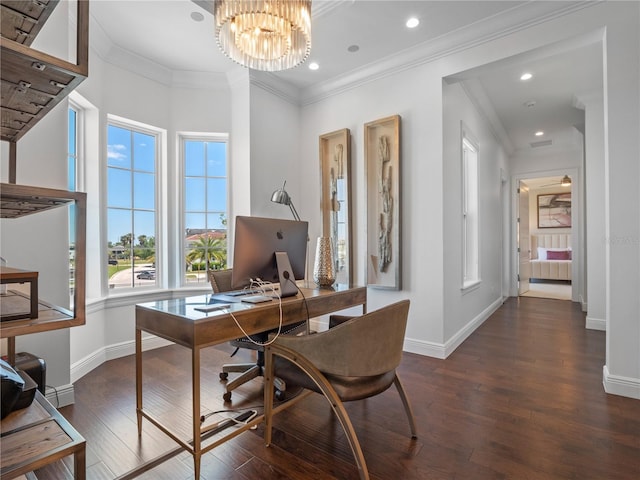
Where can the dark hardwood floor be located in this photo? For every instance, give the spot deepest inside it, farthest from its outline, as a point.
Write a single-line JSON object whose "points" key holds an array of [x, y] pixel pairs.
{"points": [[522, 398]]}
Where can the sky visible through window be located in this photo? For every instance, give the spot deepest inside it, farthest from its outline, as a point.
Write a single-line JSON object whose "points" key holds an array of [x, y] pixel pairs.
{"points": [[131, 183], [205, 184]]}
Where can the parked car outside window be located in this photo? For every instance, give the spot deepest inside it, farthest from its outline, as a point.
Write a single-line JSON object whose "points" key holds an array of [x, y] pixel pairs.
{"points": [[147, 275]]}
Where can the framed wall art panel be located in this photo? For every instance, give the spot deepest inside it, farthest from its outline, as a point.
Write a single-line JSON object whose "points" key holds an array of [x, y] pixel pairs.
{"points": [[335, 194], [382, 166], [554, 210]]}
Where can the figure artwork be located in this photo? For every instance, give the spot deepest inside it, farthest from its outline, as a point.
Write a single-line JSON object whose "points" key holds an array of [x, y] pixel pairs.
{"points": [[386, 216], [335, 204]]}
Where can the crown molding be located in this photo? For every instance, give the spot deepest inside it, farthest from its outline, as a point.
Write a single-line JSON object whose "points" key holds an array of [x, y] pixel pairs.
{"points": [[478, 97], [269, 82], [500, 25]]}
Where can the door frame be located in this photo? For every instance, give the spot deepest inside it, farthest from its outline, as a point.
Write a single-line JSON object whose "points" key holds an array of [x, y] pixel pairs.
{"points": [[578, 293]]}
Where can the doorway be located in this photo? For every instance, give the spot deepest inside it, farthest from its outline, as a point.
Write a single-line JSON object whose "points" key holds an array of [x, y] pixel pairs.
{"points": [[544, 237]]}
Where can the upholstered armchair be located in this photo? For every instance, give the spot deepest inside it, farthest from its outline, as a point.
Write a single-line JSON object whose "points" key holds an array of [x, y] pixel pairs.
{"points": [[354, 360]]}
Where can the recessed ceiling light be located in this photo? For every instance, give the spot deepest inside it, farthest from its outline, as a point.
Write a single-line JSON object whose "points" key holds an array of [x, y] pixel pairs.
{"points": [[413, 22], [526, 76], [353, 48], [197, 16], [314, 66], [539, 133]]}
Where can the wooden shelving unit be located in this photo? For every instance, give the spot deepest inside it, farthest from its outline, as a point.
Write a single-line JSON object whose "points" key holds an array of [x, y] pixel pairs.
{"points": [[33, 82], [17, 201]]}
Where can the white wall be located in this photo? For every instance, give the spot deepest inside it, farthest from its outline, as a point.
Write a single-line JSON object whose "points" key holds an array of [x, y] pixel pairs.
{"points": [[415, 96], [595, 240], [463, 308], [622, 197], [275, 154]]}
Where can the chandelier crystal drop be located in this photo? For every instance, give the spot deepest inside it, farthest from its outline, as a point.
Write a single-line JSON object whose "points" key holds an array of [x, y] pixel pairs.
{"points": [[269, 35]]}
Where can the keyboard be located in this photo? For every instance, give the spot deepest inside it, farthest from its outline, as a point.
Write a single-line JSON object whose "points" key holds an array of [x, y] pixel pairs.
{"points": [[244, 291]]}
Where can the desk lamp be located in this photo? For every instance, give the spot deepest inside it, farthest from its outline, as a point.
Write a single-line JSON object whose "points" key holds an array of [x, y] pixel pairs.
{"points": [[282, 197]]}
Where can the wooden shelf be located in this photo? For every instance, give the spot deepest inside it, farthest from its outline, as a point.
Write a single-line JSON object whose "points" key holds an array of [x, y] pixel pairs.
{"points": [[12, 306], [37, 436], [17, 201], [50, 317], [34, 82]]}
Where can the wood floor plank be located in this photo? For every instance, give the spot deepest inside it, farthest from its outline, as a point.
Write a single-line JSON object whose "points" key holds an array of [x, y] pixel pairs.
{"points": [[521, 398]]}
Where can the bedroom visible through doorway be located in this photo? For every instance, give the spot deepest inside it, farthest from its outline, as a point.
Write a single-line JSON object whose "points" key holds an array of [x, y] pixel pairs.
{"points": [[545, 243], [557, 290]]}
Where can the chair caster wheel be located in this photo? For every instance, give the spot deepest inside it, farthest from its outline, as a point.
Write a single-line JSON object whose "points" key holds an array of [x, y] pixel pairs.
{"points": [[224, 375], [227, 397], [279, 395]]}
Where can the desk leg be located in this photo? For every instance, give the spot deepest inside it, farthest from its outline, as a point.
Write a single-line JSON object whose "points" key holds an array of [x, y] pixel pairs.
{"points": [[195, 382], [80, 464], [139, 379]]}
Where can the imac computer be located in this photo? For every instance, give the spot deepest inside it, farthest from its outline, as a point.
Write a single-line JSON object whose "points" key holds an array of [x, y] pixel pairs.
{"points": [[269, 249]]}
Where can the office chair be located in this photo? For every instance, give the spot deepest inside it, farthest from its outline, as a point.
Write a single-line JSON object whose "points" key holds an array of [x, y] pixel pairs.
{"points": [[354, 360], [221, 282]]}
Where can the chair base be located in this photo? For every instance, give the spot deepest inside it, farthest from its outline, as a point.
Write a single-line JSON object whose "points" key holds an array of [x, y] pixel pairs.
{"points": [[248, 371]]}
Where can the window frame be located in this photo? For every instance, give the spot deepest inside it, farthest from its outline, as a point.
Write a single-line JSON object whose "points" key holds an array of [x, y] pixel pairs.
{"points": [[470, 212], [160, 160], [181, 139]]}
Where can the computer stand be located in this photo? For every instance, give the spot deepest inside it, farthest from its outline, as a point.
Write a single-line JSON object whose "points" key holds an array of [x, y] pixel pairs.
{"points": [[288, 287]]}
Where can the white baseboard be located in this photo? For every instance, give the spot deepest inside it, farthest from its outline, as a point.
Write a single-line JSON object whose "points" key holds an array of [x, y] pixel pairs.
{"points": [[60, 396], [80, 368], [442, 351], [596, 324], [428, 349], [462, 334], [618, 385]]}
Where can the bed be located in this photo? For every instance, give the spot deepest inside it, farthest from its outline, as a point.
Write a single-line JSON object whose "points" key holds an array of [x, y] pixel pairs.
{"points": [[551, 256]]}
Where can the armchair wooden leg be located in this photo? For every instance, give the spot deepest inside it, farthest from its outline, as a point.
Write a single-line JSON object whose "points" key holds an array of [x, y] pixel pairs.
{"points": [[407, 406], [327, 391]]}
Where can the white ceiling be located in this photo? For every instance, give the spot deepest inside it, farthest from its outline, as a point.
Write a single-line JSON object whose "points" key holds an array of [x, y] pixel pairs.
{"points": [[163, 32]]}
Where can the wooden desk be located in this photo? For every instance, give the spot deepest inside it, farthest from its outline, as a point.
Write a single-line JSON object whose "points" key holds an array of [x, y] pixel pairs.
{"points": [[37, 436], [178, 321]]}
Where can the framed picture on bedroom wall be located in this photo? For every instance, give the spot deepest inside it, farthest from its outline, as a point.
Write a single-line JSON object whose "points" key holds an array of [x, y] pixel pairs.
{"points": [[554, 210], [335, 194], [382, 174]]}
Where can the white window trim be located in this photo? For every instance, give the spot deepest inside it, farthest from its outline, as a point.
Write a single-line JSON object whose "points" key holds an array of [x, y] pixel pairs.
{"points": [[160, 136], [181, 137], [468, 142]]}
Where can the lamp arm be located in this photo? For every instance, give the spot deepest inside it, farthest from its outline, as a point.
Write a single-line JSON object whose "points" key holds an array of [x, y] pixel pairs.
{"points": [[294, 212]]}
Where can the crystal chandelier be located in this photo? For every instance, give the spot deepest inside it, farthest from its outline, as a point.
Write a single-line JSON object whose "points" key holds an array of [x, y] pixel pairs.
{"points": [[267, 35]]}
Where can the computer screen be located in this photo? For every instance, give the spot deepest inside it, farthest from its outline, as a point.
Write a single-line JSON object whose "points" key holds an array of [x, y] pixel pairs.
{"points": [[257, 240]]}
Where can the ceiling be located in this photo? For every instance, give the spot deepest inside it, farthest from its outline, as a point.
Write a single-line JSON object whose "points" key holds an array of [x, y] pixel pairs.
{"points": [[179, 35]]}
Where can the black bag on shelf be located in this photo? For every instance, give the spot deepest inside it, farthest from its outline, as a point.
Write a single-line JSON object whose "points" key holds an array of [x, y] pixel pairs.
{"points": [[12, 387]]}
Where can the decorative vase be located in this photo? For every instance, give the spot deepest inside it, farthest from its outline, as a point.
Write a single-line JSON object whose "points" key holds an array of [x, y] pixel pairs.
{"points": [[324, 274]]}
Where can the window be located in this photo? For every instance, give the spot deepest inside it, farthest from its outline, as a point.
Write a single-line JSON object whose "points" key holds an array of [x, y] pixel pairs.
{"points": [[132, 159], [72, 185], [204, 166], [470, 222]]}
